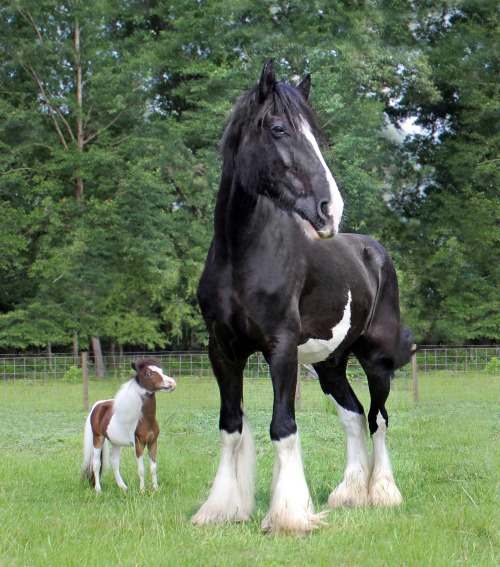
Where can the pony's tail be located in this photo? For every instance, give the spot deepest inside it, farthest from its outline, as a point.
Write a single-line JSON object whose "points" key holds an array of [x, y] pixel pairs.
{"points": [[88, 453]]}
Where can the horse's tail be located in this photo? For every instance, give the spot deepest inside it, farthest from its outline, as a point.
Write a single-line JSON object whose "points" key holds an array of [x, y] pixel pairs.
{"points": [[88, 453], [406, 347]]}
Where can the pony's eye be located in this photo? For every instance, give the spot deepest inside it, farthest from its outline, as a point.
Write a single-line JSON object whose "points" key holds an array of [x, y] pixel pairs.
{"points": [[278, 129]]}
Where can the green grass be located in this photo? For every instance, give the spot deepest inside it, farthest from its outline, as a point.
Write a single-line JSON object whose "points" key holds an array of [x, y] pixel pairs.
{"points": [[445, 459]]}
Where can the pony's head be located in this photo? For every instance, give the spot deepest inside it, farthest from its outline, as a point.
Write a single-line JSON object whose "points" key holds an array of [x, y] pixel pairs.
{"points": [[150, 376], [270, 148]]}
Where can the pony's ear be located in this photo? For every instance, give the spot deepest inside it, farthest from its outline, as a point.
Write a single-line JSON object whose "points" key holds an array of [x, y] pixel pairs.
{"points": [[267, 81], [132, 364], [305, 86]]}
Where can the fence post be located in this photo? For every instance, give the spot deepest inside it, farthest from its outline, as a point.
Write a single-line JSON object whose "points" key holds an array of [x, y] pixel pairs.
{"points": [[298, 393], [85, 370], [414, 369]]}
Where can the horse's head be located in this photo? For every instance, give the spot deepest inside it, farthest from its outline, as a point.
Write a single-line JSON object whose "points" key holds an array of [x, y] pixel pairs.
{"points": [[271, 142], [150, 376]]}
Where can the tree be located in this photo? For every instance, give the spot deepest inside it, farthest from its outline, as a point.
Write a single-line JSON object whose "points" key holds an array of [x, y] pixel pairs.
{"points": [[449, 200]]}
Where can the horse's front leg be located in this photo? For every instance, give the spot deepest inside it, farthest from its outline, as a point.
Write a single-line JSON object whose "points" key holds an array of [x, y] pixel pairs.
{"points": [[139, 453], [291, 507], [232, 493], [152, 449], [115, 465]]}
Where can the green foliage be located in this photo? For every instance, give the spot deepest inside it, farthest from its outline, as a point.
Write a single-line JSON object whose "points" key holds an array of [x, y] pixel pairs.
{"points": [[109, 167], [493, 366]]}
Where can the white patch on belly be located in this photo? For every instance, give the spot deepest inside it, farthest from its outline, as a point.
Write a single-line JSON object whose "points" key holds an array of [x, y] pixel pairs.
{"points": [[316, 350]]}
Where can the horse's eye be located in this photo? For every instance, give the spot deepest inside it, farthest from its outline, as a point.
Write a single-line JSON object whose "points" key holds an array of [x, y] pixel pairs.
{"points": [[278, 130], [148, 374]]}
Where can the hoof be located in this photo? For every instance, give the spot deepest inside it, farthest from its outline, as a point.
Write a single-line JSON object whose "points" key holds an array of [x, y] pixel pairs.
{"points": [[383, 492], [350, 493], [211, 515], [297, 524]]}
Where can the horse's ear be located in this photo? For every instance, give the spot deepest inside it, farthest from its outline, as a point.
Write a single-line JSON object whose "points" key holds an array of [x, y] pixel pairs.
{"points": [[267, 81], [305, 86], [132, 364]]}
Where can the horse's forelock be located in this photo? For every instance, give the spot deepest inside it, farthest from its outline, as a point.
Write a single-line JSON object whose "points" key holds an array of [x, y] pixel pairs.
{"points": [[284, 100], [144, 362]]}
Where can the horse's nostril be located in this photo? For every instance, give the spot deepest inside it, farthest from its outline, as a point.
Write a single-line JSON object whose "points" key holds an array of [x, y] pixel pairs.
{"points": [[324, 208]]}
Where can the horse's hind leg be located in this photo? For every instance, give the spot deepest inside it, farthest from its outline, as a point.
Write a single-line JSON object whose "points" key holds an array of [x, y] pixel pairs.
{"points": [[353, 490], [379, 368], [115, 465], [232, 493], [96, 467]]}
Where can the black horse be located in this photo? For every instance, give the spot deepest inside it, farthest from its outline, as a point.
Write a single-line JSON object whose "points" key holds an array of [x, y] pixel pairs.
{"points": [[275, 282]]}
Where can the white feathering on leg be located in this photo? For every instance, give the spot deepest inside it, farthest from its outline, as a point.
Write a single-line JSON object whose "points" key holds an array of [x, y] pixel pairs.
{"points": [[291, 508], [382, 490], [232, 493]]}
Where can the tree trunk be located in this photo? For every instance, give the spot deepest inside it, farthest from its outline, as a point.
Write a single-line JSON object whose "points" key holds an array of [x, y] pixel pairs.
{"points": [[98, 358], [79, 102], [75, 349], [49, 353]]}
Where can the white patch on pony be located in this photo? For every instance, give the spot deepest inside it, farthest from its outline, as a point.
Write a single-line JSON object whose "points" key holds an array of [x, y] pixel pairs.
{"points": [[336, 202], [127, 410], [291, 507], [353, 490], [382, 490], [232, 493], [316, 350], [168, 383]]}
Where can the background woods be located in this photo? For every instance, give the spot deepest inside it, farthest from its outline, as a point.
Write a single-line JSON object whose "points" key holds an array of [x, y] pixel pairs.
{"points": [[110, 116]]}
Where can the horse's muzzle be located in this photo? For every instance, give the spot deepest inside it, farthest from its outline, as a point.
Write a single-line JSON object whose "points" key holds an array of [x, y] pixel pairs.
{"points": [[327, 232]]}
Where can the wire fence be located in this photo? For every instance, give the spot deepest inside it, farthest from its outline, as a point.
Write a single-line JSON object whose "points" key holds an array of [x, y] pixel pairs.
{"points": [[57, 381]]}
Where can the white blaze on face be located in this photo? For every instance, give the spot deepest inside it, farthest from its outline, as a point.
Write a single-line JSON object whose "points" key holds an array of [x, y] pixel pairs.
{"points": [[316, 350], [336, 203], [168, 382]]}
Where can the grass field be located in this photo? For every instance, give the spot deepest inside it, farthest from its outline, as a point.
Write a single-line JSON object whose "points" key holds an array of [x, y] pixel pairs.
{"points": [[445, 459]]}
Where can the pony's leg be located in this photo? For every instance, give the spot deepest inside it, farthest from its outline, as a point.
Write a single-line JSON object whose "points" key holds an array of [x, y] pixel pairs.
{"points": [[353, 490], [152, 448], [291, 508], [139, 453], [115, 465], [382, 489], [232, 493], [96, 467]]}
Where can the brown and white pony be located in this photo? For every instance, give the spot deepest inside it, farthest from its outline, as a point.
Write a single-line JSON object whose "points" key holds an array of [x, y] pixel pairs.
{"points": [[128, 420]]}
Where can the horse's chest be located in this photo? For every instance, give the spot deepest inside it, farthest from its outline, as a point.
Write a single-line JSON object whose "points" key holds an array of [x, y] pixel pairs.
{"points": [[122, 432]]}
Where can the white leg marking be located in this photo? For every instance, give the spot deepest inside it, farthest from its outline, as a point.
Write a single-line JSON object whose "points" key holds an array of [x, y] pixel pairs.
{"points": [[140, 470], [96, 467], [353, 490], [232, 493], [115, 465], [152, 469], [382, 490], [291, 506]]}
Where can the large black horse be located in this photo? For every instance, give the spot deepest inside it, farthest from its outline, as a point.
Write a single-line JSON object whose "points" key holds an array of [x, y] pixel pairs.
{"points": [[276, 282]]}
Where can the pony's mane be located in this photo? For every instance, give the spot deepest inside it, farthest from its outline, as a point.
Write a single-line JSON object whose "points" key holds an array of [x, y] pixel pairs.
{"points": [[284, 100]]}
